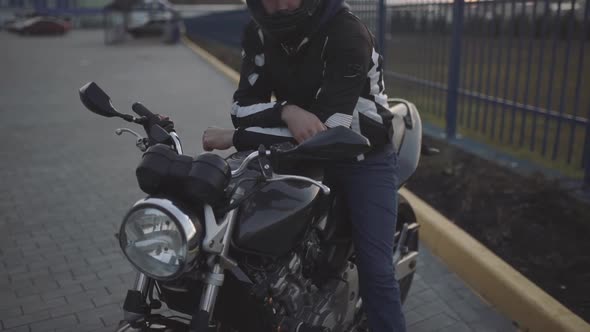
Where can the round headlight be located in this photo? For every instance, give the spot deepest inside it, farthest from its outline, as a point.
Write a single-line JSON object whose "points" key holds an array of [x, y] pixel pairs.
{"points": [[159, 239]]}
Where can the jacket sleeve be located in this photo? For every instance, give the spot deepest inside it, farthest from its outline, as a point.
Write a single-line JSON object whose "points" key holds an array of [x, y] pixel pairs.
{"points": [[347, 59], [252, 105]]}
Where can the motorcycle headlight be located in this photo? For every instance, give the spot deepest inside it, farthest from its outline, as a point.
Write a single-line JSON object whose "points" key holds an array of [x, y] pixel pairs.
{"points": [[159, 239]]}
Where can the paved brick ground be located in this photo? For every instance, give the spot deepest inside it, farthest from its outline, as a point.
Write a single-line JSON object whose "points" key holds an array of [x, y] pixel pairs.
{"points": [[67, 180]]}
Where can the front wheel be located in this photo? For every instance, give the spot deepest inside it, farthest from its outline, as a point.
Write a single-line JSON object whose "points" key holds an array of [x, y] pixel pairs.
{"points": [[125, 327], [156, 324]]}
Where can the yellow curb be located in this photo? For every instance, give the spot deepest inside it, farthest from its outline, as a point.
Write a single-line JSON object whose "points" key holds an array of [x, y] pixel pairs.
{"points": [[496, 281], [222, 67]]}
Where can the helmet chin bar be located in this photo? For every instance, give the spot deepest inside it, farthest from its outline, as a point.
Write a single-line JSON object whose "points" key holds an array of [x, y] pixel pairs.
{"points": [[288, 28]]}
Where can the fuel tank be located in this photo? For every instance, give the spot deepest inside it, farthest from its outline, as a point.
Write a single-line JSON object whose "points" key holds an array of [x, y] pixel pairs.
{"points": [[273, 219]]}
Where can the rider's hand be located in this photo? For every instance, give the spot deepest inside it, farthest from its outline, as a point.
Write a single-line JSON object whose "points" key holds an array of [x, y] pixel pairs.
{"points": [[218, 139], [301, 123]]}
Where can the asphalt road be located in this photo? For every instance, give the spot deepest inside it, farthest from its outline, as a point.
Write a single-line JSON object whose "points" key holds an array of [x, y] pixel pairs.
{"points": [[67, 180]]}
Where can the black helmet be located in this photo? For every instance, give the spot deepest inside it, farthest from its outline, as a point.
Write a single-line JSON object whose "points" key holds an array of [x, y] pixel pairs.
{"points": [[287, 26]]}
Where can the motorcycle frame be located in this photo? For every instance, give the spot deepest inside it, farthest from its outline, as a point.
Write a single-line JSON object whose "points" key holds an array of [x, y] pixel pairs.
{"points": [[219, 261], [217, 242]]}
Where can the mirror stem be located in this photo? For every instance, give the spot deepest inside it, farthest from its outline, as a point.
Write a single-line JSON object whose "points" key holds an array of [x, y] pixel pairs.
{"points": [[128, 117]]}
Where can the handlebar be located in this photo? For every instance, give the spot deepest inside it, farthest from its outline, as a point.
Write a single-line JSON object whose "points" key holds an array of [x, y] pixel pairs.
{"points": [[143, 143], [141, 110]]}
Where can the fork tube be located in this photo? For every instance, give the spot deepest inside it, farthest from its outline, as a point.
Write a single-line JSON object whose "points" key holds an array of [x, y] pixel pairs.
{"points": [[141, 283], [136, 312], [211, 290], [214, 279]]}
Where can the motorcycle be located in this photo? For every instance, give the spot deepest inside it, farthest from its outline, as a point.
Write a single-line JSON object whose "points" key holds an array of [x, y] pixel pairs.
{"points": [[232, 245]]}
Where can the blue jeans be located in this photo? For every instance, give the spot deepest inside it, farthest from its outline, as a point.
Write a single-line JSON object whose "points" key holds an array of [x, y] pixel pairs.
{"points": [[370, 189]]}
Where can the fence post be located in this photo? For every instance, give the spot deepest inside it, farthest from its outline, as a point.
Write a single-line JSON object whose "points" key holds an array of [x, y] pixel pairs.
{"points": [[586, 156], [381, 21], [454, 69]]}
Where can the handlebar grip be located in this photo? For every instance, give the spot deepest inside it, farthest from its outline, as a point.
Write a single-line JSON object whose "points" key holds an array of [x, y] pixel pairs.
{"points": [[141, 110]]}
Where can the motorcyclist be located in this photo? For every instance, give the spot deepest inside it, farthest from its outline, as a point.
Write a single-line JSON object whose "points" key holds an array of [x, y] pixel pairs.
{"points": [[320, 62]]}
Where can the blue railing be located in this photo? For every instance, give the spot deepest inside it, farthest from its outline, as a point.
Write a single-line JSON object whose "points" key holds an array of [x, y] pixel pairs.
{"points": [[513, 73], [509, 73], [49, 7]]}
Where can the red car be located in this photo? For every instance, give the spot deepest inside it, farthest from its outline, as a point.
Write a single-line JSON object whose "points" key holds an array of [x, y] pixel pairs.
{"points": [[41, 25]]}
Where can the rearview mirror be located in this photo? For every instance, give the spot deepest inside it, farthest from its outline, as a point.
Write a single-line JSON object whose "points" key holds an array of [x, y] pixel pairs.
{"points": [[97, 101], [332, 144]]}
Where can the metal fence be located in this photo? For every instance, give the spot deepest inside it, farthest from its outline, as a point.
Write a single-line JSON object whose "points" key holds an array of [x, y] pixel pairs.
{"points": [[514, 74], [50, 7], [81, 14]]}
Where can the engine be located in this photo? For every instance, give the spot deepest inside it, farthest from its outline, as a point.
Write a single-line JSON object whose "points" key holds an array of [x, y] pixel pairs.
{"points": [[293, 303]]}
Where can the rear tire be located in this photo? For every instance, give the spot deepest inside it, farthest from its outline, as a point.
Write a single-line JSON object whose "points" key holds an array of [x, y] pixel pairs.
{"points": [[406, 215], [404, 286]]}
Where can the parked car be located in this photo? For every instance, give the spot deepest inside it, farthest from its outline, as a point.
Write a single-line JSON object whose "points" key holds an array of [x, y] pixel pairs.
{"points": [[40, 25], [151, 28]]}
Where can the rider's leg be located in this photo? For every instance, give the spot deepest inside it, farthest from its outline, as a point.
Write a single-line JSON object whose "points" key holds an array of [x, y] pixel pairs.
{"points": [[370, 187]]}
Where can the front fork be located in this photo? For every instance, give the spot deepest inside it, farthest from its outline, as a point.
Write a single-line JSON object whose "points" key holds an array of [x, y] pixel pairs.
{"points": [[141, 283], [215, 277], [136, 309]]}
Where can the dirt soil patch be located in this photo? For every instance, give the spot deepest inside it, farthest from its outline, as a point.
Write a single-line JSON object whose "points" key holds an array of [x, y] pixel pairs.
{"points": [[529, 221]]}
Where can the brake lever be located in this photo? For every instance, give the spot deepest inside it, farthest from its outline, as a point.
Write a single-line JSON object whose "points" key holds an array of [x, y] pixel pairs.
{"points": [[120, 131], [141, 142], [278, 177]]}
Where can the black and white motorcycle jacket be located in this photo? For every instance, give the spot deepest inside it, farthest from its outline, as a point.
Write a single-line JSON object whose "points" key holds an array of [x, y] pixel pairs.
{"points": [[336, 74]]}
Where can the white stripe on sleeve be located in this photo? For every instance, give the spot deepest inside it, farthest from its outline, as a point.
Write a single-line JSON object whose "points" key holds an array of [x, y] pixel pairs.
{"points": [[374, 74], [369, 109], [356, 126], [243, 111], [253, 78], [259, 60], [279, 131], [339, 119]]}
